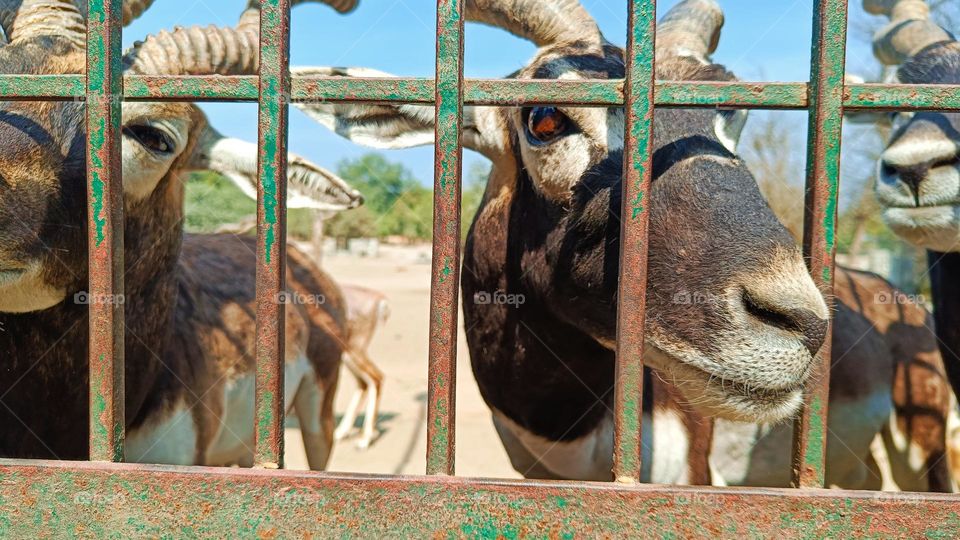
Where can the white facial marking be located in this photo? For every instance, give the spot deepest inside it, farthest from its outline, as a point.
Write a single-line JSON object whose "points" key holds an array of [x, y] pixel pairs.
{"points": [[912, 151], [143, 168], [24, 291]]}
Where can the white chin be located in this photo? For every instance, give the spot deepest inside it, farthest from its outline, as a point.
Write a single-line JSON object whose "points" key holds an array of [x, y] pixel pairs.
{"points": [[934, 228], [27, 293], [714, 397]]}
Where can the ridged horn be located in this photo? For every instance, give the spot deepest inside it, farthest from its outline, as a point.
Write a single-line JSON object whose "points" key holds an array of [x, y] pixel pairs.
{"points": [[544, 22], [196, 51], [690, 28], [910, 29], [25, 19]]}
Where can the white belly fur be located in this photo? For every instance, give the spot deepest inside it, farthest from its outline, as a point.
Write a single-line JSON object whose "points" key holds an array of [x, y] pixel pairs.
{"points": [[173, 438], [591, 457]]}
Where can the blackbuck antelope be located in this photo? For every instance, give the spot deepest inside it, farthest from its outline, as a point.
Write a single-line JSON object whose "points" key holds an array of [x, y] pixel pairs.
{"points": [[887, 383], [367, 311], [188, 299], [918, 181], [734, 320]]}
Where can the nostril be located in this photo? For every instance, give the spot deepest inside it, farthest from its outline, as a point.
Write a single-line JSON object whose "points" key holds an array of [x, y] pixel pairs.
{"points": [[887, 170], [911, 175], [812, 328]]}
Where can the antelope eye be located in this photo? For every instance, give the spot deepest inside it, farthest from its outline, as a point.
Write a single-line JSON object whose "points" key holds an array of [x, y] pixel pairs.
{"points": [[151, 138], [546, 124]]}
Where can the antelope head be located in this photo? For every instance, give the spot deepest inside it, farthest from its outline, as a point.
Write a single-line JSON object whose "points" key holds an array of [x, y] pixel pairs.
{"points": [[918, 177], [733, 316], [43, 159]]}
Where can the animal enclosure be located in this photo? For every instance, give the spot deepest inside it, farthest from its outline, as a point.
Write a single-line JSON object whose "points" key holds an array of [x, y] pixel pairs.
{"points": [[40, 499]]}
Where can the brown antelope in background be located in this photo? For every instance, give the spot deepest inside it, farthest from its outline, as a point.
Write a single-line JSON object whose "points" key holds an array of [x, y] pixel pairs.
{"points": [[189, 300], [367, 311]]}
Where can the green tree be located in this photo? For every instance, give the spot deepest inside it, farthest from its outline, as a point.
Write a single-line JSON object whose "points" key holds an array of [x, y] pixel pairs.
{"points": [[397, 202]]}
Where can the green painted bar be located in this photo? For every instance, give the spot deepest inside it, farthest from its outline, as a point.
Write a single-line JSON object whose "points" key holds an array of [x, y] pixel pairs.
{"points": [[890, 97], [83, 500], [744, 95], [445, 274], [552, 92], [635, 214], [820, 218], [105, 230], [420, 91], [42, 86], [190, 88], [319, 89], [271, 231]]}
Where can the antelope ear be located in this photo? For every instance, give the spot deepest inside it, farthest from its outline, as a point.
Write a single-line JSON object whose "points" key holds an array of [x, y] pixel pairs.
{"points": [[391, 126], [308, 185], [728, 125]]}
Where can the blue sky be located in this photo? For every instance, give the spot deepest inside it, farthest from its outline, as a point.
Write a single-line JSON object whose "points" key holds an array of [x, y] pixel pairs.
{"points": [[762, 40]]}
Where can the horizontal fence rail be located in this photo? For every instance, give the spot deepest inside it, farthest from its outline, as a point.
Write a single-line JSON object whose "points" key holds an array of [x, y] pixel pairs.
{"points": [[420, 91], [147, 501], [40, 497]]}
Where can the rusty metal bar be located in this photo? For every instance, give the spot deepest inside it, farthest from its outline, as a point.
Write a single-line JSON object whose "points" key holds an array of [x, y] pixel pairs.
{"points": [[271, 230], [420, 91], [820, 218], [54, 499], [902, 97], [631, 297], [445, 275], [105, 230]]}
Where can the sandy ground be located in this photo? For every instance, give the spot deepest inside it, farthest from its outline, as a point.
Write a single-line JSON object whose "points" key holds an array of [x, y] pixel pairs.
{"points": [[400, 350]]}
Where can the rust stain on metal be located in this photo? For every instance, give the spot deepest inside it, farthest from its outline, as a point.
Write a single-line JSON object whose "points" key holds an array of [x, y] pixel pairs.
{"points": [[271, 230], [819, 232], [57, 499], [637, 172], [105, 231], [445, 276]]}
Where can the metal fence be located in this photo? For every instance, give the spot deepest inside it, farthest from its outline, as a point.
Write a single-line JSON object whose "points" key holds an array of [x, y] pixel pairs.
{"points": [[41, 498]]}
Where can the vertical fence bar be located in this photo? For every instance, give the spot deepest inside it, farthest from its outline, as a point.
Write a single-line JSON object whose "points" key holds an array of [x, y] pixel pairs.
{"points": [[637, 168], [271, 229], [820, 218], [445, 275], [105, 230]]}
